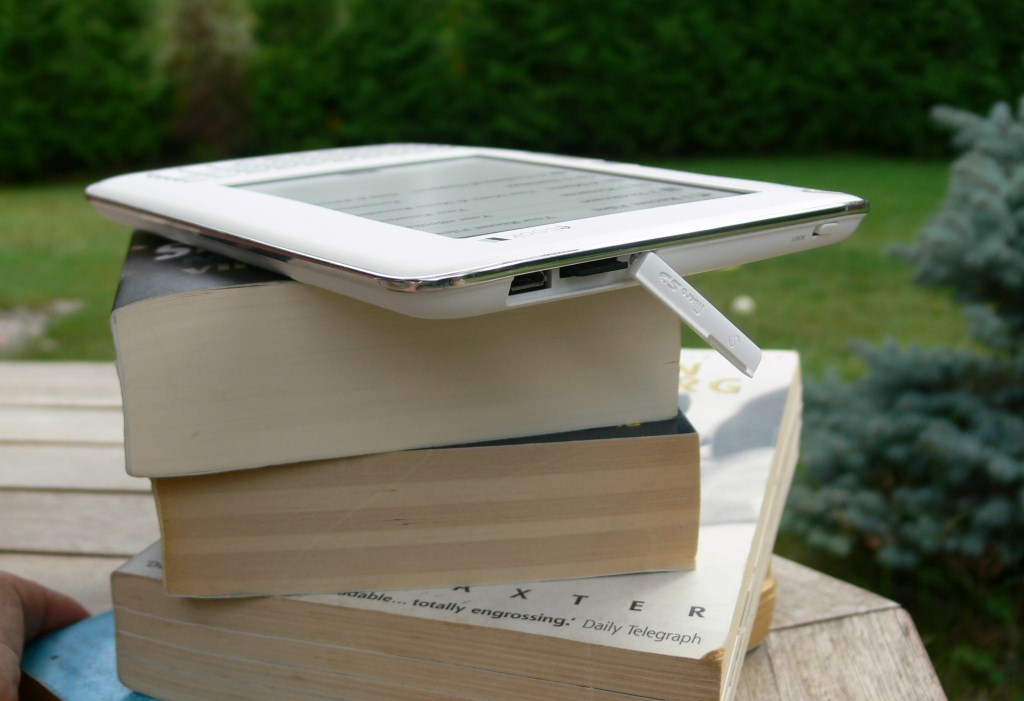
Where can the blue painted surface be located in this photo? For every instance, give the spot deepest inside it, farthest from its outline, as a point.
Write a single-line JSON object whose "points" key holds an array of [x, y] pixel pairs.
{"points": [[78, 663]]}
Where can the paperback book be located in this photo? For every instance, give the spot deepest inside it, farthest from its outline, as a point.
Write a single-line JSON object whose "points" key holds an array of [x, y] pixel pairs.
{"points": [[582, 504], [79, 663], [224, 367]]}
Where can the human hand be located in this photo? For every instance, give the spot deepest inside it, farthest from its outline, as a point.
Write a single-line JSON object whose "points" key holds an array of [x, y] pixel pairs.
{"points": [[27, 610]]}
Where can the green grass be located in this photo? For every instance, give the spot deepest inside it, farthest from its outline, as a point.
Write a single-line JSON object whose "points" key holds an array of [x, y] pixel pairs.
{"points": [[54, 247], [815, 302]]}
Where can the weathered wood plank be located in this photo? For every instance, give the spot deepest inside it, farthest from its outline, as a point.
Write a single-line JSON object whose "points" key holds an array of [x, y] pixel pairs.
{"points": [[32, 424], [806, 596], [803, 597], [757, 680], [77, 523], [876, 655], [29, 383], [86, 579], [69, 467]]}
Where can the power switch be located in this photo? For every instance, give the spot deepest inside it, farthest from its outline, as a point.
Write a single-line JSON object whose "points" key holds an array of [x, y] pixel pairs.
{"points": [[826, 229]]}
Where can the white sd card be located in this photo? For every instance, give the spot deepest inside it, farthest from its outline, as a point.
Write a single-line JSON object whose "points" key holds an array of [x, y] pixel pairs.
{"points": [[721, 334]]}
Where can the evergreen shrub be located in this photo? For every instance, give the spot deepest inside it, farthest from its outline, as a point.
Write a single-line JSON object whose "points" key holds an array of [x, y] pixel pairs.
{"points": [[203, 60], [104, 85], [400, 70], [921, 461], [662, 79], [298, 74], [76, 86]]}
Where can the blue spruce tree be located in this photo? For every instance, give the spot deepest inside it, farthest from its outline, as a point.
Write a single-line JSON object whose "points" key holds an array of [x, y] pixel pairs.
{"points": [[921, 461]]}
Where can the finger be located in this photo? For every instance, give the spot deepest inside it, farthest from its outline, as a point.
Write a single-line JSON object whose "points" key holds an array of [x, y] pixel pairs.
{"points": [[12, 637], [10, 674], [46, 610], [28, 609]]}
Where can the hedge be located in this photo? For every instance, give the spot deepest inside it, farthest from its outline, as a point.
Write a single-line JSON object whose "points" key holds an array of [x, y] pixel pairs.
{"points": [[77, 88], [88, 84]]}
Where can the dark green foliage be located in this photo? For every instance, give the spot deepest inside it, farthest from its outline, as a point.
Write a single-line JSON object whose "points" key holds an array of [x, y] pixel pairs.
{"points": [[76, 88], [620, 78], [922, 460], [975, 245], [662, 79], [399, 84], [299, 74], [203, 58]]}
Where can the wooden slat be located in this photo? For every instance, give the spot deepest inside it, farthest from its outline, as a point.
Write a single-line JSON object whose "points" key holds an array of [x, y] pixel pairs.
{"points": [[86, 579], [64, 424], [831, 640], [810, 596], [876, 655], [77, 523], [757, 680], [48, 466], [61, 457], [25, 383]]}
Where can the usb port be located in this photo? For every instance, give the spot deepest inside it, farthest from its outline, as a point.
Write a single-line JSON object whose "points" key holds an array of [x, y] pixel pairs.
{"points": [[593, 267], [528, 282]]}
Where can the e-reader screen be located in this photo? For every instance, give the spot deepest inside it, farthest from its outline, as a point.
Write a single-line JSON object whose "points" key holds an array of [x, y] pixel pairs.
{"points": [[479, 195]]}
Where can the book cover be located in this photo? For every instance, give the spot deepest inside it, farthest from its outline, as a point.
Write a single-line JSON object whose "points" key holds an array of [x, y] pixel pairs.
{"points": [[155, 266]]}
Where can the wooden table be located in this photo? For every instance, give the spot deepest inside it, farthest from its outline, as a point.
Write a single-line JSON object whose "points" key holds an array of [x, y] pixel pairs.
{"points": [[69, 515]]}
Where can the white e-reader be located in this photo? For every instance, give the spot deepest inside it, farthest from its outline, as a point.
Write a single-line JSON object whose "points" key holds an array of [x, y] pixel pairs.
{"points": [[439, 231]]}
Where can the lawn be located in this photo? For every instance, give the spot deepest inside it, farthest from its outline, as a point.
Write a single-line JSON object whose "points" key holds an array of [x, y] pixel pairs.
{"points": [[55, 248], [815, 302]]}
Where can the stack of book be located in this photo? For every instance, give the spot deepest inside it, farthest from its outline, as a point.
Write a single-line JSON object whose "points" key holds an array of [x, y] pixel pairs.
{"points": [[362, 506], [302, 442]]}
